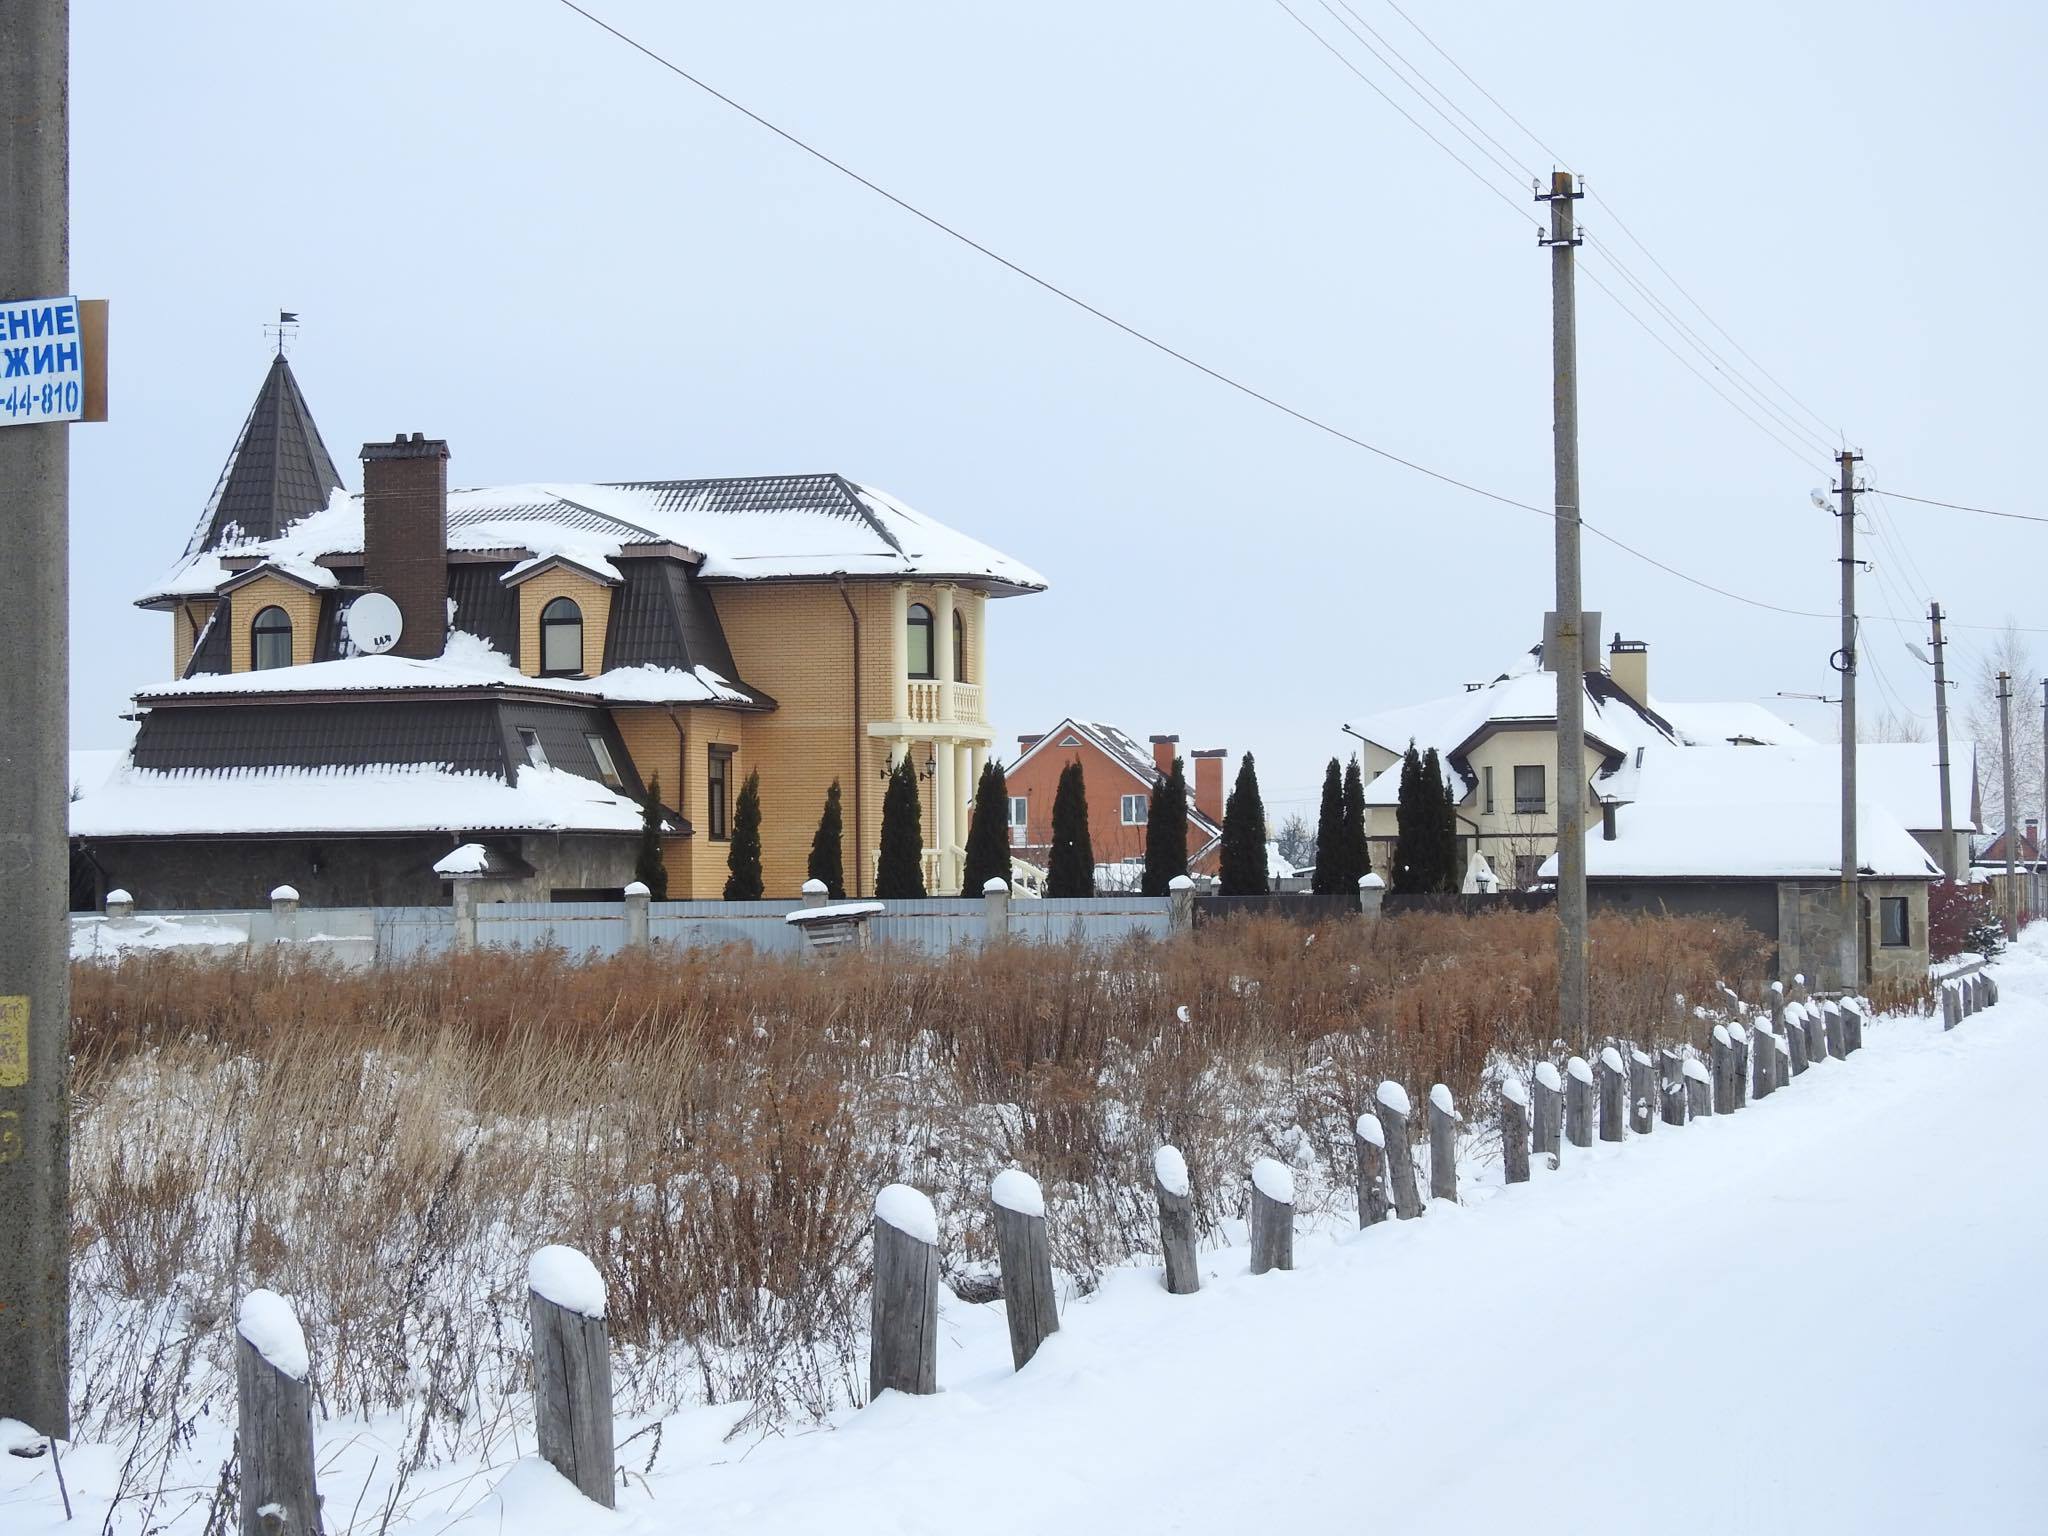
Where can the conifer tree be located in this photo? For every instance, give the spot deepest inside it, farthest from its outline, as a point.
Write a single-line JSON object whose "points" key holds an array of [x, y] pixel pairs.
{"points": [[1071, 870], [899, 874], [1331, 862], [1412, 849], [1166, 832], [648, 867], [828, 861], [1443, 828], [1244, 835], [1357, 852], [988, 832], [743, 861]]}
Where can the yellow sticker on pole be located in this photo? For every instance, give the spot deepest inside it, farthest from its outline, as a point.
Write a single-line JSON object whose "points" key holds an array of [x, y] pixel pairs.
{"points": [[13, 1042]]}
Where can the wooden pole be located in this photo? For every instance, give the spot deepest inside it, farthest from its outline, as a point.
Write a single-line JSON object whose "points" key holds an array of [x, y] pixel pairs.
{"points": [[1025, 1254], [1549, 1112], [1740, 1064], [1642, 1092], [1852, 1026], [1776, 994], [1370, 1142], [1613, 1091], [1951, 1012], [904, 1346], [1724, 1071], [1699, 1089], [1578, 1102], [1763, 1063], [1443, 1145], [1514, 1131], [1831, 1019], [572, 1371], [1176, 1221], [274, 1404], [1783, 1055], [1272, 1216], [1391, 1104], [1671, 1069], [1795, 1036]]}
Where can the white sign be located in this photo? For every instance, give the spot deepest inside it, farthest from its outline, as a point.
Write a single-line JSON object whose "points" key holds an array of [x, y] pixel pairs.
{"points": [[42, 362]]}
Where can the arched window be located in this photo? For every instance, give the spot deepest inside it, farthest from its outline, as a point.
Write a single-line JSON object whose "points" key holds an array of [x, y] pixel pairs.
{"points": [[959, 647], [270, 639], [561, 639], [921, 641]]}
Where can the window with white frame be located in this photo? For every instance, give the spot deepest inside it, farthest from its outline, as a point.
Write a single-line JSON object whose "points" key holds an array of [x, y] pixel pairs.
{"points": [[1135, 809], [1020, 819], [607, 768]]}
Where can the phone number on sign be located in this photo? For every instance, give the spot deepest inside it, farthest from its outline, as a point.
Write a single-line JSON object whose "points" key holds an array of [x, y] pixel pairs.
{"points": [[40, 399]]}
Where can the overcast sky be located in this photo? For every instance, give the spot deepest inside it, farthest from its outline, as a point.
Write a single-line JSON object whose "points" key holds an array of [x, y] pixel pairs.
{"points": [[504, 228]]}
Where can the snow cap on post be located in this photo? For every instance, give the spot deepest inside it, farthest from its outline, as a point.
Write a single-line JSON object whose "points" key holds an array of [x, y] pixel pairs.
{"points": [[816, 888], [1394, 1096], [639, 888], [115, 896], [1577, 1068], [1440, 1097], [564, 1276], [995, 885], [285, 893], [1515, 1091], [909, 1211], [1015, 1190], [1272, 1178], [1370, 1129], [267, 1321], [1721, 1035], [1371, 883], [1610, 1058], [1180, 883], [1171, 1170], [1546, 1074]]}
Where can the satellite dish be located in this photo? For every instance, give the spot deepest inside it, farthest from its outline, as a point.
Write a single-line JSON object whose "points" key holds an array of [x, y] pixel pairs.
{"points": [[373, 623]]}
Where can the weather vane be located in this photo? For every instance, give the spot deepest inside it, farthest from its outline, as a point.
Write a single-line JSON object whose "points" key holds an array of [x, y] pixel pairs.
{"points": [[286, 328]]}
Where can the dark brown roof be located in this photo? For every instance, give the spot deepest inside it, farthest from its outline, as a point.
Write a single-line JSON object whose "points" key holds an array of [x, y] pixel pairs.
{"points": [[278, 472]]}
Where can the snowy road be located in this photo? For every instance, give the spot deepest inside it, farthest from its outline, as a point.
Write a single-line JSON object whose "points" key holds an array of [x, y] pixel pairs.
{"points": [[1822, 1315]]}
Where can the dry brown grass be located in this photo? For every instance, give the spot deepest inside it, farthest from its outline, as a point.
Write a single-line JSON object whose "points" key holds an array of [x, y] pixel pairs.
{"points": [[711, 1127]]}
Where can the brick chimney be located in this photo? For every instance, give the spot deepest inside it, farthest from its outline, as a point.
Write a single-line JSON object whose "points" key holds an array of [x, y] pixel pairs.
{"points": [[1209, 783], [1027, 742], [1163, 754], [405, 536], [2033, 835], [1628, 663]]}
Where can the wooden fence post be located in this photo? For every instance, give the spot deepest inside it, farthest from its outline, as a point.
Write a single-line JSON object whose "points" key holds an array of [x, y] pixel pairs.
{"points": [[1816, 1034], [1578, 1102], [1642, 1092], [1671, 1074], [1272, 1216], [1948, 1006], [1443, 1145], [1776, 993], [1763, 1064], [1613, 1088], [1740, 1064], [1176, 1221], [274, 1404], [1831, 1020], [1371, 1144], [1549, 1111], [1025, 1256], [1852, 1026], [1699, 1088], [1724, 1071], [1391, 1102], [903, 1351], [572, 1370], [1514, 1131], [1795, 1036]]}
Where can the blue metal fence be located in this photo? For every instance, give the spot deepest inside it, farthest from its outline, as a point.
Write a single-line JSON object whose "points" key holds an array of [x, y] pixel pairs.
{"points": [[576, 927], [1090, 920], [414, 933], [711, 923]]}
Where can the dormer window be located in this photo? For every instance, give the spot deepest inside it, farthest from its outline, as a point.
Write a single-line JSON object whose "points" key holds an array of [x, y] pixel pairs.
{"points": [[561, 639], [920, 627], [959, 647], [270, 639]]}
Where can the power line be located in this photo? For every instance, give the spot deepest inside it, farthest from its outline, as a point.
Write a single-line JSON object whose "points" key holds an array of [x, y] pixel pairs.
{"points": [[1519, 165], [1957, 506]]}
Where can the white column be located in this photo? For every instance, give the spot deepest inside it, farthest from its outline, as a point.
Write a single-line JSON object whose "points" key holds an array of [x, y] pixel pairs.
{"points": [[944, 811], [970, 779], [977, 759], [942, 649], [899, 652]]}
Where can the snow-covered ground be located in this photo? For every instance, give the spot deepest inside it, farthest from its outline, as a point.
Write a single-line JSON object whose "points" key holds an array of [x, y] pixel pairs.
{"points": [[1822, 1314]]}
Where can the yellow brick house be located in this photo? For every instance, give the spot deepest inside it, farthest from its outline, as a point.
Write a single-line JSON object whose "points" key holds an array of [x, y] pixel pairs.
{"points": [[560, 651]]}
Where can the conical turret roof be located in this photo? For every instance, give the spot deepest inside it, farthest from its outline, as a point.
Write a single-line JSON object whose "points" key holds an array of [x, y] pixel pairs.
{"points": [[278, 472]]}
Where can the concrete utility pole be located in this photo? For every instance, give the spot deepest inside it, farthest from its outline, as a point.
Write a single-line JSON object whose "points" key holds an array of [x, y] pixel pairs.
{"points": [[2012, 826], [1948, 815], [1845, 663], [2044, 787], [1569, 662], [35, 995]]}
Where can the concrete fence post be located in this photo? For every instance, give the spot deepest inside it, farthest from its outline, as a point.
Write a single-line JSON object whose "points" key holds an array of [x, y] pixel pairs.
{"points": [[1443, 1145], [1578, 1102], [1180, 910], [284, 914], [120, 905], [1514, 1131], [1642, 1092], [1699, 1089], [1025, 1254], [572, 1371], [1272, 1216], [1372, 895], [1549, 1112], [904, 1333], [1370, 1141], [1390, 1102], [1613, 1092], [463, 894], [816, 893], [1763, 1063], [1671, 1075], [274, 1407], [638, 899], [1176, 1221], [995, 908]]}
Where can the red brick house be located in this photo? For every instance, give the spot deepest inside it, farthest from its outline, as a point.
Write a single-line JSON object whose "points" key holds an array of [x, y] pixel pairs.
{"points": [[1119, 775]]}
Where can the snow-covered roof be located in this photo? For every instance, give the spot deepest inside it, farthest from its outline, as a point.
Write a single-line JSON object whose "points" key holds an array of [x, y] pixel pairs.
{"points": [[137, 802], [468, 662], [1905, 777], [753, 529], [1729, 722], [1730, 812]]}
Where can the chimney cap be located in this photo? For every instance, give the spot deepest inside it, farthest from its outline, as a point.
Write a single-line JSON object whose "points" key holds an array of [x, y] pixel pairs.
{"points": [[417, 446], [1159, 741], [1211, 752]]}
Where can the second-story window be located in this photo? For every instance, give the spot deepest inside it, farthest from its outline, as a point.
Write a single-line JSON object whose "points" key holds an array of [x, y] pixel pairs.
{"points": [[717, 778], [270, 640], [1135, 809], [959, 647], [561, 639], [920, 637], [1486, 789], [1529, 796]]}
